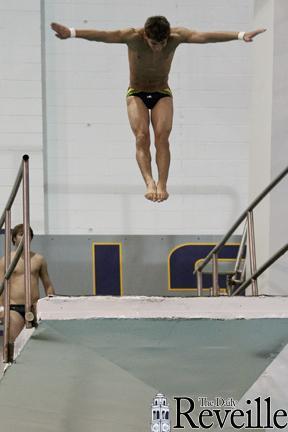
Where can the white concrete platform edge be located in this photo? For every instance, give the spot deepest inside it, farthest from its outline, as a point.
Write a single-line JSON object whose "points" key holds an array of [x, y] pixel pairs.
{"points": [[65, 308], [19, 344]]}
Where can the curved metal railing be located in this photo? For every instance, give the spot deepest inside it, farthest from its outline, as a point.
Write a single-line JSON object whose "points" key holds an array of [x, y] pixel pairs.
{"points": [[9, 266], [213, 255], [261, 270]]}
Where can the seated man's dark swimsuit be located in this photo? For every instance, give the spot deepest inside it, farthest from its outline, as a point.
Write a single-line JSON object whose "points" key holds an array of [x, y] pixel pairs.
{"points": [[20, 308], [150, 99]]}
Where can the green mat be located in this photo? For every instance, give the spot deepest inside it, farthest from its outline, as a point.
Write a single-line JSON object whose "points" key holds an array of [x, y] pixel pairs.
{"points": [[101, 375]]}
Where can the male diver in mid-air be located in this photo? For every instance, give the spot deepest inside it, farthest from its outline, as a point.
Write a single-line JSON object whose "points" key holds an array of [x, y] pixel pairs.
{"points": [[150, 52]]}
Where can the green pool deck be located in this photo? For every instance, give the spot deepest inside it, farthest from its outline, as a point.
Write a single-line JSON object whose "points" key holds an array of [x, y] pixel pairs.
{"points": [[102, 374]]}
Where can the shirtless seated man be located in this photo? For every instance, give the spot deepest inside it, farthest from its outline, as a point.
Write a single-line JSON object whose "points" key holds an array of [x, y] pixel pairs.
{"points": [[150, 53], [17, 291]]}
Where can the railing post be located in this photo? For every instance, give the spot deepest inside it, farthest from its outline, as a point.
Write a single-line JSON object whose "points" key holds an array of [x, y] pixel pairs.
{"points": [[27, 263], [7, 351], [215, 289], [199, 283], [261, 270], [241, 249], [252, 251], [238, 273]]}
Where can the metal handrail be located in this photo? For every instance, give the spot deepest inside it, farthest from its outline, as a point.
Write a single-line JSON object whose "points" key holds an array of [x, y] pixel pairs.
{"points": [[22, 176], [247, 214], [261, 270], [242, 218], [14, 190], [12, 265]]}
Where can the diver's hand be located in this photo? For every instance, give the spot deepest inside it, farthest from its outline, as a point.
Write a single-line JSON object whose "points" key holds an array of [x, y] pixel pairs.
{"points": [[61, 31], [249, 36]]}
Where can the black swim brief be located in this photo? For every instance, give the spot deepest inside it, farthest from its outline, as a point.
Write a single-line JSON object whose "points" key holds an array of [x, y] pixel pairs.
{"points": [[150, 99], [20, 308]]}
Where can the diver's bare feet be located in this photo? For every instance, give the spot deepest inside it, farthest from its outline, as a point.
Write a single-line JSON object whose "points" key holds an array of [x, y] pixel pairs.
{"points": [[151, 193], [162, 194]]}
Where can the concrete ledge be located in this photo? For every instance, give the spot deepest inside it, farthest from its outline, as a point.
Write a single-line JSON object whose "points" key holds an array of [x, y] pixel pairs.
{"points": [[19, 344], [65, 308]]}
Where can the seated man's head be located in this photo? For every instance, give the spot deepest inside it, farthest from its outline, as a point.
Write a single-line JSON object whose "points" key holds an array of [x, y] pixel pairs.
{"points": [[157, 32], [17, 234]]}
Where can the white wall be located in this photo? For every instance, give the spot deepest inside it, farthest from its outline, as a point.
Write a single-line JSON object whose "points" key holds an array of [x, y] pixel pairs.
{"points": [[93, 183], [269, 146], [70, 95], [21, 103], [278, 275]]}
